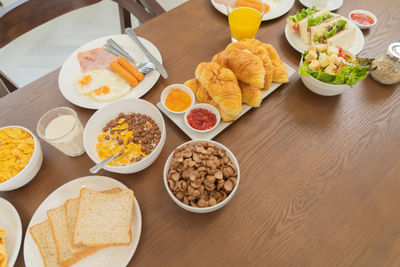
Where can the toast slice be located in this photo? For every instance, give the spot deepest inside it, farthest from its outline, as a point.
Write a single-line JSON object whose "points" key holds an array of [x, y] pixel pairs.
{"points": [[66, 253], [103, 219], [43, 237], [71, 210]]}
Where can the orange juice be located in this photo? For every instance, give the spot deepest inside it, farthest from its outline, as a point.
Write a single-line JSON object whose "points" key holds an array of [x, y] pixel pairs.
{"points": [[244, 23]]}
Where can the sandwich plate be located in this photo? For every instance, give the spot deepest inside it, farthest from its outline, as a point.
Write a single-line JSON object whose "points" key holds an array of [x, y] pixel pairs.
{"points": [[297, 43], [277, 8], [178, 119], [71, 69], [11, 223], [112, 256]]}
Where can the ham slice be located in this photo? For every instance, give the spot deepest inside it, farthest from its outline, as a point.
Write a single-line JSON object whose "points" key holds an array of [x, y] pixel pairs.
{"points": [[97, 58]]}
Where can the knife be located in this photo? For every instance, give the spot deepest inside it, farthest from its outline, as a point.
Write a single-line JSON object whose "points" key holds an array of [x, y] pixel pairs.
{"points": [[152, 59]]}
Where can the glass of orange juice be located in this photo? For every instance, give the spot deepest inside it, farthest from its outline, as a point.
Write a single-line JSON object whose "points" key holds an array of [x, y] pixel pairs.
{"points": [[245, 18]]}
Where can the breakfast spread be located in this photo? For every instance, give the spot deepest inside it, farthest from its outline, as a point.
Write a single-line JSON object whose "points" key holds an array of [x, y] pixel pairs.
{"points": [[237, 75], [84, 225], [3, 252], [178, 100], [16, 150], [105, 77], [201, 119], [201, 175], [137, 135], [322, 27], [332, 65]]}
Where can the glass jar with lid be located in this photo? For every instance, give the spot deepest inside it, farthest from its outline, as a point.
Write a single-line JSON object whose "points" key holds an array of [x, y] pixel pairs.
{"points": [[386, 67]]}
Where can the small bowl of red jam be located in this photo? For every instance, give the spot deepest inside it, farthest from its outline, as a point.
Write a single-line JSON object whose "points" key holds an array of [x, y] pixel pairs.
{"points": [[363, 18], [202, 118]]}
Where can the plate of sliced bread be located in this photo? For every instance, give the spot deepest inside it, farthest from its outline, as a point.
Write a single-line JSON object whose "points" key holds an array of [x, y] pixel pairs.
{"points": [[90, 221]]}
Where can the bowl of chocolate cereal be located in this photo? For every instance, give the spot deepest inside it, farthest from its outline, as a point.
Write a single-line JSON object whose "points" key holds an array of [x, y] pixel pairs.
{"points": [[201, 176], [133, 127]]}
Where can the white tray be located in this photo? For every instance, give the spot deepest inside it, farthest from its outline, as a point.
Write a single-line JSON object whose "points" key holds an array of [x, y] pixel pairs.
{"points": [[178, 118]]}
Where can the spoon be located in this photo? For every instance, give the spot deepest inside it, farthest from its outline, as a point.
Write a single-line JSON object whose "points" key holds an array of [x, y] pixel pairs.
{"points": [[96, 168]]}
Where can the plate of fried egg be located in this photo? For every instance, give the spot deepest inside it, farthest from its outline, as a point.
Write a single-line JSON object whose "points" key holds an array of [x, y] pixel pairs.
{"points": [[92, 77]]}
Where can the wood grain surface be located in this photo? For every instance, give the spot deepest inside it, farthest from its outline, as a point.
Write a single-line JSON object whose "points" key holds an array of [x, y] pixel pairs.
{"points": [[319, 175]]}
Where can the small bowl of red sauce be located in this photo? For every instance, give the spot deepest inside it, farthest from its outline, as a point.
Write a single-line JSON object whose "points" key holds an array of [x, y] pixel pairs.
{"points": [[363, 18], [202, 118]]}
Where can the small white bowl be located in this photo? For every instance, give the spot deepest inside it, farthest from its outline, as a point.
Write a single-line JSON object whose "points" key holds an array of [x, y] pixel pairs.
{"points": [[184, 88], [104, 115], [206, 209], [208, 107], [362, 26], [322, 88], [30, 170]]}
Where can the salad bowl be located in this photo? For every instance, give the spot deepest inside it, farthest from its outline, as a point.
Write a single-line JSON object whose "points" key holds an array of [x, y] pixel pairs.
{"points": [[329, 71]]}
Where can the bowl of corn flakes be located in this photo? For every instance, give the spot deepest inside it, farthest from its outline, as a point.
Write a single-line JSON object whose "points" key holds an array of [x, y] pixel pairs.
{"points": [[20, 157], [134, 127]]}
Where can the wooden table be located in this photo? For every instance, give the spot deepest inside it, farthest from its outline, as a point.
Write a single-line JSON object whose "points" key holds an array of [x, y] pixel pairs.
{"points": [[320, 175]]}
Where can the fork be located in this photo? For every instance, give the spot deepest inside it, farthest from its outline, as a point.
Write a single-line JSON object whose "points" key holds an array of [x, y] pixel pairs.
{"points": [[112, 47]]}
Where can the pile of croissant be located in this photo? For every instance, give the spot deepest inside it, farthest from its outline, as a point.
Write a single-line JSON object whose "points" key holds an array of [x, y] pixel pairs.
{"points": [[237, 75]]}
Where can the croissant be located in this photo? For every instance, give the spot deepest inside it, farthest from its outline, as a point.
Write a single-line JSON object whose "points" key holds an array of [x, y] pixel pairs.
{"points": [[221, 84], [247, 67], [280, 73], [200, 92], [251, 95], [262, 53]]}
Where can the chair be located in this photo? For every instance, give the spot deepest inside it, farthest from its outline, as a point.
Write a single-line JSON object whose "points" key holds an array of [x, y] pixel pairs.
{"points": [[143, 10], [23, 16]]}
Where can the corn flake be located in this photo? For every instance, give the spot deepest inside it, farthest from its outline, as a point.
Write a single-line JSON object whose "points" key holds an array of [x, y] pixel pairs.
{"points": [[16, 149]]}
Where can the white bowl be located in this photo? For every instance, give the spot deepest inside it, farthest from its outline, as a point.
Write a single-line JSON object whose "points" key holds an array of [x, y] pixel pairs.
{"points": [[183, 87], [362, 26], [208, 107], [30, 170], [322, 88], [104, 115], [206, 209]]}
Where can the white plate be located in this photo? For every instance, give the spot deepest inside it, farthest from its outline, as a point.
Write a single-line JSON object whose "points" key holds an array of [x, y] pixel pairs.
{"points": [[112, 256], [10, 221], [297, 43], [71, 68], [178, 119], [277, 8], [331, 5]]}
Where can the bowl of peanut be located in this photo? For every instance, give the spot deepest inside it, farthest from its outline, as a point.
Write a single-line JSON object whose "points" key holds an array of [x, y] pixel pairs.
{"points": [[201, 176]]}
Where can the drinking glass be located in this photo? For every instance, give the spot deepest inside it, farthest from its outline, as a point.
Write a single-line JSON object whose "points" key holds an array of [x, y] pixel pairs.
{"points": [[61, 128], [245, 18]]}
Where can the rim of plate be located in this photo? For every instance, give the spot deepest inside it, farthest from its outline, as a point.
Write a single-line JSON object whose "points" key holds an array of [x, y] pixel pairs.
{"points": [[294, 40], [281, 9], [81, 181], [83, 101], [17, 220], [333, 4]]}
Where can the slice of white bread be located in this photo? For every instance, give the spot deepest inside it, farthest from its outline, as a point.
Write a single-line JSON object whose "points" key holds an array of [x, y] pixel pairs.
{"points": [[62, 221], [67, 254], [103, 219], [43, 237]]}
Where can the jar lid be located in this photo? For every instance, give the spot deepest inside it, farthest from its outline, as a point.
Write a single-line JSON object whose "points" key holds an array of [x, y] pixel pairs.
{"points": [[394, 51]]}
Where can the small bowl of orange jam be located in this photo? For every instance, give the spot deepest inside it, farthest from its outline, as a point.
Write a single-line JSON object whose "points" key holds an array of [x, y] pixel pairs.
{"points": [[177, 98]]}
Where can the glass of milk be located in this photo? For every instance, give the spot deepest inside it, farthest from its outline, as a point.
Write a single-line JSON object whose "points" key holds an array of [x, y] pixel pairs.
{"points": [[62, 128]]}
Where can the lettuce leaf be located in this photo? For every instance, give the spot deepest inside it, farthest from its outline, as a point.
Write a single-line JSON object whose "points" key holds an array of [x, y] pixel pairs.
{"points": [[318, 20], [300, 15], [350, 75]]}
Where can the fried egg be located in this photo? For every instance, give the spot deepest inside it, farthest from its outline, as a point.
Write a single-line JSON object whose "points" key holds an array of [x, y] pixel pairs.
{"points": [[101, 85]]}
